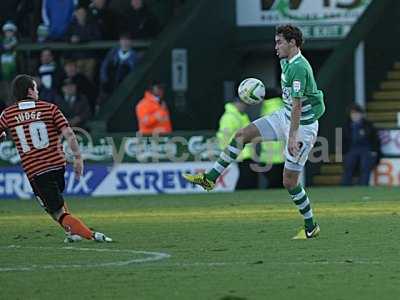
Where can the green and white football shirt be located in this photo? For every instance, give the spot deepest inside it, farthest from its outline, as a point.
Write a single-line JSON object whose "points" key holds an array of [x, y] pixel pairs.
{"points": [[298, 81]]}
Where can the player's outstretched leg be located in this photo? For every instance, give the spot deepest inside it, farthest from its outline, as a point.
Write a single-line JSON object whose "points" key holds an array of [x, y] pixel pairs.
{"points": [[229, 155], [299, 196], [76, 230]]}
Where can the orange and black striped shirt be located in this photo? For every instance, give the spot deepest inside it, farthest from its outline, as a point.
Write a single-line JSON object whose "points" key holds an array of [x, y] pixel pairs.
{"points": [[35, 127]]}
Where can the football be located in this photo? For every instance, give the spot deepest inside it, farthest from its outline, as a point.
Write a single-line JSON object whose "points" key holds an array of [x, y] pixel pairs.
{"points": [[251, 91]]}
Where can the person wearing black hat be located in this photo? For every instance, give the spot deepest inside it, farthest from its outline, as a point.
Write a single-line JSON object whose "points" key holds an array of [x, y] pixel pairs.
{"points": [[83, 83], [73, 104], [361, 146]]}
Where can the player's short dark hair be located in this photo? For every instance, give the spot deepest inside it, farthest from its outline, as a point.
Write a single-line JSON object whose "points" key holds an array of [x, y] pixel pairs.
{"points": [[20, 86], [290, 32]]}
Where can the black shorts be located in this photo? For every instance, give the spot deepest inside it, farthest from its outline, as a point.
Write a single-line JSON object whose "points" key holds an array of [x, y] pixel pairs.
{"points": [[48, 188]]}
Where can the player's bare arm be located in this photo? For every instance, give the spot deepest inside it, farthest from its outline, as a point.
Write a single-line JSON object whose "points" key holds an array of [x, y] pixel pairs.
{"points": [[293, 145], [70, 137]]}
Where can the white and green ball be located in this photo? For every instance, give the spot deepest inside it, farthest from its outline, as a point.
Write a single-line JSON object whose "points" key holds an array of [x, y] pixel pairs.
{"points": [[251, 91]]}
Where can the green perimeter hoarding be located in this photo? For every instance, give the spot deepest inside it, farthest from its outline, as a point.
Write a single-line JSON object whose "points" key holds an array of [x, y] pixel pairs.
{"points": [[180, 147]]}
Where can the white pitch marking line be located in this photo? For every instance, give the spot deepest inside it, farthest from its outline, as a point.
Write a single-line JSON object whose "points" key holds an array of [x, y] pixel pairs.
{"points": [[153, 256], [224, 264]]}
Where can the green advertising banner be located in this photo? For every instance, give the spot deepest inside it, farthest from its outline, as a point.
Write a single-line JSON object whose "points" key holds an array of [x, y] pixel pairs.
{"points": [[180, 147]]}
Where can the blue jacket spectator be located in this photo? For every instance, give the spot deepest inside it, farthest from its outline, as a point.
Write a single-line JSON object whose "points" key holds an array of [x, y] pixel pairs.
{"points": [[57, 15], [119, 62], [361, 147]]}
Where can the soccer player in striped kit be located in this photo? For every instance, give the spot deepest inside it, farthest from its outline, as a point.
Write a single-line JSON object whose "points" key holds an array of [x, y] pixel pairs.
{"points": [[296, 124], [36, 126]]}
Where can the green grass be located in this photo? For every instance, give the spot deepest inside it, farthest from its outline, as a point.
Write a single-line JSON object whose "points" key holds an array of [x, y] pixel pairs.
{"points": [[221, 246]]}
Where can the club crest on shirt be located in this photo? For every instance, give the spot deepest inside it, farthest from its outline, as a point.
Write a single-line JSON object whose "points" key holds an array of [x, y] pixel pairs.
{"points": [[286, 93]]}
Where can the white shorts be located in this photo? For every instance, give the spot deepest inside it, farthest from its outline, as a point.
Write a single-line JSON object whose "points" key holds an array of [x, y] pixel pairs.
{"points": [[307, 135]]}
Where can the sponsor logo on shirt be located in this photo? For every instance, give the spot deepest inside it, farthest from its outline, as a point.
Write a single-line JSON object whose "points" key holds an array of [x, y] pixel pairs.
{"points": [[296, 86]]}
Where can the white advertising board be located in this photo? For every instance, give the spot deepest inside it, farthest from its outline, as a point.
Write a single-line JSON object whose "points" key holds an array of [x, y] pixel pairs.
{"points": [[317, 18], [160, 178]]}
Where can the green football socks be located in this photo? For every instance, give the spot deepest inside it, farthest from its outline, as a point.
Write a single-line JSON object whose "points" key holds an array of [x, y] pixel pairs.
{"points": [[302, 202], [226, 157]]}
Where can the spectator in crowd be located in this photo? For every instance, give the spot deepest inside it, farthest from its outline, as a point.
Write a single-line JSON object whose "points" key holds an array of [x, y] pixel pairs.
{"points": [[57, 15], [8, 51], [48, 71], [73, 104], [361, 146], [27, 16], [152, 111], [8, 58], [233, 119], [48, 95], [42, 32], [13, 11], [83, 30], [118, 63], [140, 21], [84, 85], [100, 14]]}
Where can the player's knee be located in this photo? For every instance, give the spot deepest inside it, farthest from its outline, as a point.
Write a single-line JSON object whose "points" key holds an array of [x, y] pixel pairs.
{"points": [[244, 135], [239, 134], [289, 182]]}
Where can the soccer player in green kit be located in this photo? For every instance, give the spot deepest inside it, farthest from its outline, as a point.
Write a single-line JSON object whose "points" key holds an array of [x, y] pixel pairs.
{"points": [[296, 124]]}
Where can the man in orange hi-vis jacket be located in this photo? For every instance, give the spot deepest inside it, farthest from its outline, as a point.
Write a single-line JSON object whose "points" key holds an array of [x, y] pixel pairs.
{"points": [[152, 112]]}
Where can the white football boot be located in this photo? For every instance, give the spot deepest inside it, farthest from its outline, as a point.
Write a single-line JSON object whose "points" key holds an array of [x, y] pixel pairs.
{"points": [[101, 237]]}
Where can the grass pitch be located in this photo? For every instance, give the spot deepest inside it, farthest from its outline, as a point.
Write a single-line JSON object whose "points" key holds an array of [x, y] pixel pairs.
{"points": [[210, 246]]}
